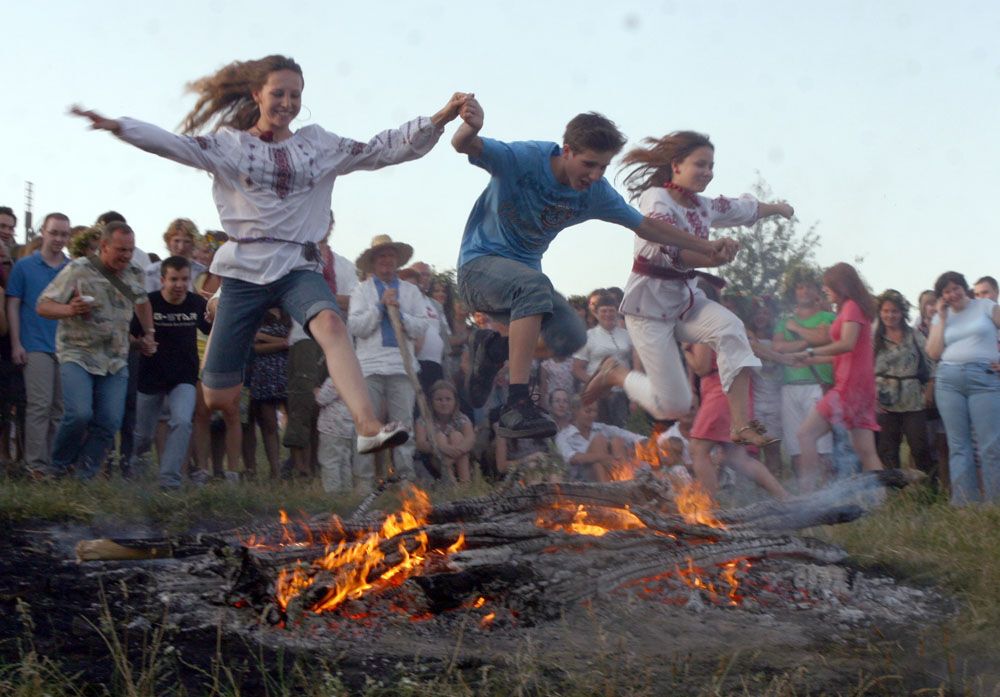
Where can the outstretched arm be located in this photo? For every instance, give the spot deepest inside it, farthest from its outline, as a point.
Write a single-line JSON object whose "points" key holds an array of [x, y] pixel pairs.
{"points": [[766, 210], [466, 139]]}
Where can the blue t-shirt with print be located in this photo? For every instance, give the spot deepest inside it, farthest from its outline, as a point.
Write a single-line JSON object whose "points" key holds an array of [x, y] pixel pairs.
{"points": [[524, 207], [29, 277]]}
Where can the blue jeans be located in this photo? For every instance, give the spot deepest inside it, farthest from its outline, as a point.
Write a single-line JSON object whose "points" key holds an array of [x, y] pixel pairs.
{"points": [[302, 294], [508, 290], [93, 406], [968, 397], [180, 399]]}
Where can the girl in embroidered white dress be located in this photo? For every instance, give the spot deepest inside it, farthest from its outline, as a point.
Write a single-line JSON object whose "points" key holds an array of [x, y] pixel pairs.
{"points": [[663, 304], [272, 187]]}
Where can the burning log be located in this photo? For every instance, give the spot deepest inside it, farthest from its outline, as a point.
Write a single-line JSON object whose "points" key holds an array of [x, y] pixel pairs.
{"points": [[541, 547]]}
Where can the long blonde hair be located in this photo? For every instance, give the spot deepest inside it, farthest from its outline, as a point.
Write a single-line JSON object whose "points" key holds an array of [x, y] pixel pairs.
{"points": [[225, 98]]}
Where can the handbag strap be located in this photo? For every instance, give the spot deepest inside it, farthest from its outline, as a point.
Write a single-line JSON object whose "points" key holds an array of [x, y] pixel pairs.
{"points": [[113, 279]]}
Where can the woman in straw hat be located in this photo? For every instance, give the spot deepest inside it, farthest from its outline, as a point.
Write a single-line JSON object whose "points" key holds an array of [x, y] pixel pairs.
{"points": [[272, 187]]}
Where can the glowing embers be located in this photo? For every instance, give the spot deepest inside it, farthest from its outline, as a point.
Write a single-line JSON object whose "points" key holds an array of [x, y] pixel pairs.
{"points": [[719, 585], [370, 563], [578, 519]]}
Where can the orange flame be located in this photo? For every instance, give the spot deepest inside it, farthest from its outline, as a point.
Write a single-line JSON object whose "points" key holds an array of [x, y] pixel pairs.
{"points": [[619, 520], [695, 505], [352, 564], [695, 577], [487, 619]]}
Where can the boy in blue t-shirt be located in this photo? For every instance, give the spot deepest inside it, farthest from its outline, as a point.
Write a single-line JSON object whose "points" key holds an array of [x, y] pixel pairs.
{"points": [[536, 189]]}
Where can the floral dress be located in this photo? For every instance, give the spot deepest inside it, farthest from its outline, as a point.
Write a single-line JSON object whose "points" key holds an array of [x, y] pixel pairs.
{"points": [[269, 373]]}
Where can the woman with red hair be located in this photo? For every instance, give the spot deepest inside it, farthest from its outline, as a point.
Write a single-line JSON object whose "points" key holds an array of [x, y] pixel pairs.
{"points": [[851, 400]]}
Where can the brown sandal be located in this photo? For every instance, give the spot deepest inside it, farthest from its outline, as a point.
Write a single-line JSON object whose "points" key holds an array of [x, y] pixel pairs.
{"points": [[757, 435]]}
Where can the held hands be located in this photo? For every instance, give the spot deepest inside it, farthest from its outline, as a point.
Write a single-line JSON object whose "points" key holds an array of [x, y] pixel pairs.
{"points": [[724, 250], [97, 122], [472, 114], [148, 345], [451, 109], [390, 298]]}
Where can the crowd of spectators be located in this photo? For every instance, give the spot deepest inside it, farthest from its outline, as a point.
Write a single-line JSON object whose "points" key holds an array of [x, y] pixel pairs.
{"points": [[100, 355]]}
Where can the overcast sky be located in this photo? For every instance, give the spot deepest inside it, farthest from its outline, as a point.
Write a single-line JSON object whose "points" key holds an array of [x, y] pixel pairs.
{"points": [[877, 121]]}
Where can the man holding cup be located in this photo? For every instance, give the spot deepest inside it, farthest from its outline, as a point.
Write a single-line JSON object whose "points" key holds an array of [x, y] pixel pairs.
{"points": [[94, 298]]}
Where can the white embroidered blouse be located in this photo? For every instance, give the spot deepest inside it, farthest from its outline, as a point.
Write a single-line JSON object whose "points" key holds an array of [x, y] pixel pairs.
{"points": [[280, 190], [667, 299]]}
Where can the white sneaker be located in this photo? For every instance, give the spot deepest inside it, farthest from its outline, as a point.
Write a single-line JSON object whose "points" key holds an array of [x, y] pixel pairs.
{"points": [[392, 435]]}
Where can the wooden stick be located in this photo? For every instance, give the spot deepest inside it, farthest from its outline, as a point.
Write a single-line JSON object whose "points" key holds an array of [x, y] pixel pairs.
{"points": [[404, 342]]}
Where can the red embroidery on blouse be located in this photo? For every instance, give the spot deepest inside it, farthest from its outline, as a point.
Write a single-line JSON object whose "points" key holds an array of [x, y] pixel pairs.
{"points": [[283, 172], [721, 205], [698, 228], [357, 148], [202, 142]]}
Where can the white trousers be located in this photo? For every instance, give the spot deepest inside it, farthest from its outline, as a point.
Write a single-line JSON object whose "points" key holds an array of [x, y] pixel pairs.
{"points": [[663, 389]]}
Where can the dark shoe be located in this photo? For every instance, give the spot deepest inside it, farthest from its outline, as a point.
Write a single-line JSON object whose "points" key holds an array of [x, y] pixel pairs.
{"points": [[484, 368], [525, 420]]}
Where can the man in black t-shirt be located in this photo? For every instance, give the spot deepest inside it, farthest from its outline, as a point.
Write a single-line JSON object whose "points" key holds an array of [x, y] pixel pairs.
{"points": [[171, 372]]}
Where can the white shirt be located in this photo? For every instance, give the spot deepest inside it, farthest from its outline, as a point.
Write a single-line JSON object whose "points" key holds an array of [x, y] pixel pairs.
{"points": [[279, 190], [970, 335], [365, 322], [667, 299], [434, 338], [601, 343], [571, 442]]}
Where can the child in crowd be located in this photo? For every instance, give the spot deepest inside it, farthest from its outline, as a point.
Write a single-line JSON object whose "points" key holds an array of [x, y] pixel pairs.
{"points": [[336, 440], [712, 425], [593, 449], [453, 431]]}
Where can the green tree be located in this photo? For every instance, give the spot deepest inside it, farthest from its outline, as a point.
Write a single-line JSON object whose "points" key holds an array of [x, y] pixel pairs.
{"points": [[768, 248]]}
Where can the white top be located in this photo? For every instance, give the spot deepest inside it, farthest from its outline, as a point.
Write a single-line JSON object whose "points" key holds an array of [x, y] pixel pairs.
{"points": [[279, 190], [601, 343], [434, 338], [140, 259], [334, 417], [667, 299], [571, 442], [365, 322], [970, 335]]}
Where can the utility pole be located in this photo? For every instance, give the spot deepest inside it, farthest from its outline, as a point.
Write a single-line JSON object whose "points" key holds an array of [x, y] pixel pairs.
{"points": [[29, 199]]}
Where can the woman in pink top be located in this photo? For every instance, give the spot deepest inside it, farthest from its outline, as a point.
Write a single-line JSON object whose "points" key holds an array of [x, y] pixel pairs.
{"points": [[851, 401]]}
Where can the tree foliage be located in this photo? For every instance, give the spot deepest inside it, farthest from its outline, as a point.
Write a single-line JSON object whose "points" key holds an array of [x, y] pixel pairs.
{"points": [[768, 249]]}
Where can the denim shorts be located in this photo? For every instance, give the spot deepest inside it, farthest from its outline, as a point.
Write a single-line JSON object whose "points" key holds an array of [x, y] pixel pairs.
{"points": [[507, 290], [302, 294]]}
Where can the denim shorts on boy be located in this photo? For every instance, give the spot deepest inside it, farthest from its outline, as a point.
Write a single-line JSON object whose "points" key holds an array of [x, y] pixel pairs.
{"points": [[509, 290], [302, 294]]}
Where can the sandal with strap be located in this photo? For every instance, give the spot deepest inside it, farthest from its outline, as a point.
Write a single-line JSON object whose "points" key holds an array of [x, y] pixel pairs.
{"points": [[756, 435]]}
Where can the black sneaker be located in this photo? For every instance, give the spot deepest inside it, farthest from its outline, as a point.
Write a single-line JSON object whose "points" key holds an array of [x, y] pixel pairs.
{"points": [[484, 369], [525, 420]]}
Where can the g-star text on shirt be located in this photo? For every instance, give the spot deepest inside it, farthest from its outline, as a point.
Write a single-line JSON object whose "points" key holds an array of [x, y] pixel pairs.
{"points": [[174, 317]]}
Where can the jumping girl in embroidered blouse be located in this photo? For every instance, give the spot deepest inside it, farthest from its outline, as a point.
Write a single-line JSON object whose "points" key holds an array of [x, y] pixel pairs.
{"points": [[663, 304], [272, 187]]}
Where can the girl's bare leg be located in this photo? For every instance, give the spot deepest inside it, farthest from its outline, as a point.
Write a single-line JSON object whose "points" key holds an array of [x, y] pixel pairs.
{"points": [[267, 419], [705, 472], [754, 469], [863, 441], [330, 333], [812, 429], [462, 471], [227, 401]]}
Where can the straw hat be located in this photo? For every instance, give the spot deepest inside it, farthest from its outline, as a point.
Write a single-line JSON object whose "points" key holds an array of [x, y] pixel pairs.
{"points": [[380, 242]]}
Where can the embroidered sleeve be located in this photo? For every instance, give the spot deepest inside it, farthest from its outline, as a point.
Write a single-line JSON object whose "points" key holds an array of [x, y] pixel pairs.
{"points": [[412, 140], [732, 212], [203, 152]]}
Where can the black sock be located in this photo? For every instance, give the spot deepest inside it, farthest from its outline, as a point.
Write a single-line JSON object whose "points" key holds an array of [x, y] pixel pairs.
{"points": [[517, 394], [497, 348]]}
